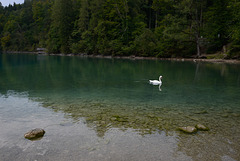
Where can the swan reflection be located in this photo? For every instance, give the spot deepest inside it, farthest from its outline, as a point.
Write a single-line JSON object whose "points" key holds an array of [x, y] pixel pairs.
{"points": [[159, 88], [157, 82]]}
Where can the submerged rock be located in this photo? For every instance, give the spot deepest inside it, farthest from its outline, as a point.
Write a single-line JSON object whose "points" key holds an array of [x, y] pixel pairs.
{"points": [[225, 115], [236, 115], [188, 129], [202, 127], [34, 134], [201, 112]]}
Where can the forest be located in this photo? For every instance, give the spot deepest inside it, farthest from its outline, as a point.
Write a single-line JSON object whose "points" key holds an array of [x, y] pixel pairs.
{"points": [[147, 28]]}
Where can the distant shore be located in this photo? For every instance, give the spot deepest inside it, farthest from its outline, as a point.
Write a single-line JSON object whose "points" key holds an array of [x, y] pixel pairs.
{"points": [[133, 57]]}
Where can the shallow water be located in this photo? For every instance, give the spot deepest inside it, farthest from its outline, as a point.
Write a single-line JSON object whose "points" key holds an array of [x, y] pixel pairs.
{"points": [[105, 109]]}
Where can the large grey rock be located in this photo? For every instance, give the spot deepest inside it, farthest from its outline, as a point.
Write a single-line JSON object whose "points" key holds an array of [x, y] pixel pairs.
{"points": [[34, 134], [188, 129], [202, 127]]}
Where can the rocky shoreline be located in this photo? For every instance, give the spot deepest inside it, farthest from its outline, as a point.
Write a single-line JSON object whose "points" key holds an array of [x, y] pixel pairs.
{"points": [[133, 57]]}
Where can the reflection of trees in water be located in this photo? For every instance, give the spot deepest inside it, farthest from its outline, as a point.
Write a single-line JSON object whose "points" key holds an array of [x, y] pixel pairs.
{"points": [[31, 72], [217, 73]]}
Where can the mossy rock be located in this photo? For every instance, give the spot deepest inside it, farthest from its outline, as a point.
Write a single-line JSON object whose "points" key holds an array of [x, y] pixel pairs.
{"points": [[202, 127], [34, 134], [188, 129]]}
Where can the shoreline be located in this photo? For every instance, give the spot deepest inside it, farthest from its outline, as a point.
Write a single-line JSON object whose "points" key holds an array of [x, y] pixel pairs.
{"points": [[132, 57]]}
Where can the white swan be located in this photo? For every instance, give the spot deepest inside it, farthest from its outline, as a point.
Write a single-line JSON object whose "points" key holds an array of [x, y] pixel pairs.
{"points": [[156, 82]]}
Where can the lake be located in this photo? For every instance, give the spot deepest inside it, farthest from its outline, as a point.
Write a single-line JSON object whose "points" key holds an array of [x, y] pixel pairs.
{"points": [[105, 109]]}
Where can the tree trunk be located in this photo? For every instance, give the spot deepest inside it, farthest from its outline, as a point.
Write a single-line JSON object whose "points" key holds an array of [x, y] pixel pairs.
{"points": [[150, 18], [156, 21]]}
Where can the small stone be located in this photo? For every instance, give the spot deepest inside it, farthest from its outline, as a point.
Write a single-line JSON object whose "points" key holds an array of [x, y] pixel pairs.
{"points": [[113, 119], [34, 134], [202, 127], [188, 129]]}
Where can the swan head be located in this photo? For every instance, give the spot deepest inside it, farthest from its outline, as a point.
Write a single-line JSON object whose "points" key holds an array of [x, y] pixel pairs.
{"points": [[160, 77]]}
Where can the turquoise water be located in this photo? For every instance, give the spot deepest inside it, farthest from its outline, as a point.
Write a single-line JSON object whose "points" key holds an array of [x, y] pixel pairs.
{"points": [[105, 109]]}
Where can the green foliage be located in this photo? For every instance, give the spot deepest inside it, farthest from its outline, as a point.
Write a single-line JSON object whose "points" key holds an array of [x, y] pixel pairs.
{"points": [[234, 30], [145, 44], [41, 12], [158, 28], [61, 26], [217, 22]]}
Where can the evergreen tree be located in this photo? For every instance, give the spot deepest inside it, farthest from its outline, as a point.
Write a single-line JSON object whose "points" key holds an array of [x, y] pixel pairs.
{"points": [[185, 26], [61, 26], [80, 26], [217, 22], [162, 28], [234, 29], [1, 22], [41, 24]]}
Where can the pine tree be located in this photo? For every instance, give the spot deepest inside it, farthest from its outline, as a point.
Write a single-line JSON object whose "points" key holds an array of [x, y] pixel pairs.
{"points": [[61, 26]]}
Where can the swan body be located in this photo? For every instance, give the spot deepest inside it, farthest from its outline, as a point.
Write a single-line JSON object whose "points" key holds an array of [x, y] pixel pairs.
{"points": [[156, 82]]}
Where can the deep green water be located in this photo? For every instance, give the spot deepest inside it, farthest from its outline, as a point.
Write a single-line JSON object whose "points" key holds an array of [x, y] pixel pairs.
{"points": [[105, 109]]}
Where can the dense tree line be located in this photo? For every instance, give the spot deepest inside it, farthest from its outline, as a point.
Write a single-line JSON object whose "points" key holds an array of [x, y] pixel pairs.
{"points": [[161, 28]]}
